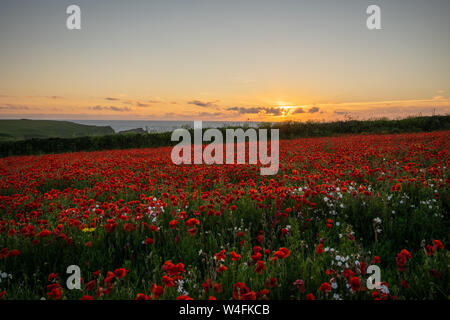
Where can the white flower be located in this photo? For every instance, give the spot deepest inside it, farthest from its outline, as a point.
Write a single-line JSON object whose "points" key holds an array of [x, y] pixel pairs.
{"points": [[384, 289]]}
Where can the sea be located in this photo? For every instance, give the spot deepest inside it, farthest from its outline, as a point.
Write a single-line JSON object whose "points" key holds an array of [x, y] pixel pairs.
{"points": [[163, 126]]}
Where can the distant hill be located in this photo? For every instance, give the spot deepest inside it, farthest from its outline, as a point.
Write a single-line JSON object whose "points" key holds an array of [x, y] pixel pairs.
{"points": [[135, 131], [25, 129]]}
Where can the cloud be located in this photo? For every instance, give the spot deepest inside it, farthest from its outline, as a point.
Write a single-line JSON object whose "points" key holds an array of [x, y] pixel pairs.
{"points": [[298, 110], [313, 110], [243, 110], [209, 114], [203, 104], [110, 108], [13, 107], [112, 99], [341, 112], [273, 111], [255, 110], [55, 97], [131, 102]]}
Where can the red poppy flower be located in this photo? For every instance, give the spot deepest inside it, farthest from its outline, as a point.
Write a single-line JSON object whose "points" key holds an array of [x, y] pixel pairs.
{"points": [[310, 296], [235, 256], [355, 283], [300, 284], [44, 233], [282, 253], [168, 281], [222, 268], [141, 296], [120, 273], [157, 291], [325, 287], [52, 276], [260, 266]]}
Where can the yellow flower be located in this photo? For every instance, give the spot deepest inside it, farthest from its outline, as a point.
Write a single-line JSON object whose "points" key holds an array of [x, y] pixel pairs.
{"points": [[88, 230]]}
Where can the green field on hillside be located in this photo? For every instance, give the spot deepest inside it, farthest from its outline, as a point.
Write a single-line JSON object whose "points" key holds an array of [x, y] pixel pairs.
{"points": [[28, 129]]}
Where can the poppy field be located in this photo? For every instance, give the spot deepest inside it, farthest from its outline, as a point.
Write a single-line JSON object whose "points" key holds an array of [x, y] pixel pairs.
{"points": [[140, 227]]}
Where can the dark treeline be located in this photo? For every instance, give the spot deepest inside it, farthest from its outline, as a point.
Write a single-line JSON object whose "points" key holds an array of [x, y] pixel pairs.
{"points": [[288, 130]]}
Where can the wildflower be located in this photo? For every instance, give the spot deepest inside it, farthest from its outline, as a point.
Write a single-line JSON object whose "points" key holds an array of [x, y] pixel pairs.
{"points": [[222, 268], [168, 281], [141, 296], [235, 256], [325, 287], [310, 296], [282, 253], [260, 266], [44, 233], [300, 284], [355, 283], [157, 291], [120, 273]]}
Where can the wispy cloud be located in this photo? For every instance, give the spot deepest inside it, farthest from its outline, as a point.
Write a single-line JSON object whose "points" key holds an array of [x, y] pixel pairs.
{"points": [[203, 104], [244, 110], [110, 108], [9, 106], [274, 111], [298, 110], [210, 114], [130, 102]]}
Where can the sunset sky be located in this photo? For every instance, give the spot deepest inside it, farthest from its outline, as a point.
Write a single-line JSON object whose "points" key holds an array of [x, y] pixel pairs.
{"points": [[224, 60]]}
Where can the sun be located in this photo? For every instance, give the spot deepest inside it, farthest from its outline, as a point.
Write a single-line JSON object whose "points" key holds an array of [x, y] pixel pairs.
{"points": [[286, 110]]}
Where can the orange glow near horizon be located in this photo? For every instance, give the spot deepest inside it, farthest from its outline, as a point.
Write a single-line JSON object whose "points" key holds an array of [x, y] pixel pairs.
{"points": [[277, 61]]}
